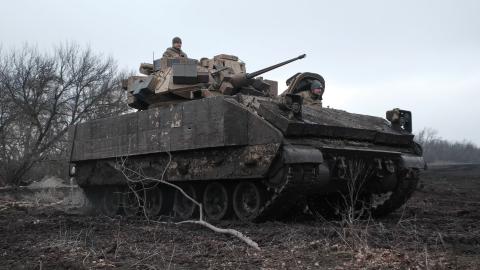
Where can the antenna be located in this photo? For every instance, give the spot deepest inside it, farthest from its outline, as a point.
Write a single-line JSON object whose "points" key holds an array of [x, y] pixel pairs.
{"points": [[153, 57]]}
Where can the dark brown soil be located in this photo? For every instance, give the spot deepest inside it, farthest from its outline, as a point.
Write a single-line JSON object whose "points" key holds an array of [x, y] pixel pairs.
{"points": [[439, 228]]}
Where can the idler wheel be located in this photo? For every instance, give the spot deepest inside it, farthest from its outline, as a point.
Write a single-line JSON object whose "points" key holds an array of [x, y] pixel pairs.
{"points": [[183, 207], [129, 203], [95, 198], [153, 202], [215, 201], [247, 201], [389, 202], [111, 201]]}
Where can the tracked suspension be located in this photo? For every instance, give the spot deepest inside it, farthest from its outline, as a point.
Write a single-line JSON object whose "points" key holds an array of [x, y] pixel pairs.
{"points": [[279, 196]]}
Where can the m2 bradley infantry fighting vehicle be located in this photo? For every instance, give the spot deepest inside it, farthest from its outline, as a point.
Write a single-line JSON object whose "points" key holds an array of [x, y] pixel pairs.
{"points": [[226, 138]]}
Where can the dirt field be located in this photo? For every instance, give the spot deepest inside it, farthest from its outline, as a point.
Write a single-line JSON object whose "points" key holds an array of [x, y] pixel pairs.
{"points": [[439, 228]]}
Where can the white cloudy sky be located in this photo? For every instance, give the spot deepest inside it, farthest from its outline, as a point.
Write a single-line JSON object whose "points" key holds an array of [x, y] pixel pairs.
{"points": [[374, 54]]}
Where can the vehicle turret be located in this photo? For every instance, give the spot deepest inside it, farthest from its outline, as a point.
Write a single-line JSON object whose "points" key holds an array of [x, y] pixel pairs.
{"points": [[174, 80]]}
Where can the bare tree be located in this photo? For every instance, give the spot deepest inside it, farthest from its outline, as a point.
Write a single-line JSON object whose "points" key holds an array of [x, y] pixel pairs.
{"points": [[426, 136], [44, 94], [436, 149]]}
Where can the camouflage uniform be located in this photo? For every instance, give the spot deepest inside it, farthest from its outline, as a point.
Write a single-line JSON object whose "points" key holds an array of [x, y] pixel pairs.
{"points": [[312, 92], [310, 99], [174, 53]]}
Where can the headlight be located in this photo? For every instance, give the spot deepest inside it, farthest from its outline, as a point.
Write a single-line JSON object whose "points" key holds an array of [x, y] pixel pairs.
{"points": [[72, 170]]}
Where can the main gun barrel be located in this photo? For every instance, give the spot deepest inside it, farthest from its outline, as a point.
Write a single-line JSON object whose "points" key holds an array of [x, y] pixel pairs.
{"points": [[261, 71]]}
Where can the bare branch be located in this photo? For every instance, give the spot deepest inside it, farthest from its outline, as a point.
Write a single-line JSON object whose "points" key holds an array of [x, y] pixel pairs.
{"points": [[142, 179]]}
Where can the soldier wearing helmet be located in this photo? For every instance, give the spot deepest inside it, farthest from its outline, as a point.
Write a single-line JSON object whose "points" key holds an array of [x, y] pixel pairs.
{"points": [[311, 89], [176, 50]]}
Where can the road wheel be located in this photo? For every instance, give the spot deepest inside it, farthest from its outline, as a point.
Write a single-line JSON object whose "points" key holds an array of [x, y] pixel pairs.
{"points": [[183, 207], [247, 201], [130, 203], [216, 202], [153, 202]]}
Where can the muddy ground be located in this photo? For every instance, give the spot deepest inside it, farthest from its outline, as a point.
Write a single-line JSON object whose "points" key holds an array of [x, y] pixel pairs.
{"points": [[439, 228]]}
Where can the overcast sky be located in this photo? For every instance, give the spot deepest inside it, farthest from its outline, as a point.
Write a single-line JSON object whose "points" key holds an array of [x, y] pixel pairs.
{"points": [[423, 56]]}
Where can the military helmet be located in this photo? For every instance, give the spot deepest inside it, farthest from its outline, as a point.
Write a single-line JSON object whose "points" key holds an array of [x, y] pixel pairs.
{"points": [[176, 40], [317, 88]]}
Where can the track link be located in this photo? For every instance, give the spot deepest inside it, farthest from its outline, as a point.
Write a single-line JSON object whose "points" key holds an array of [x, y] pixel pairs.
{"points": [[298, 183]]}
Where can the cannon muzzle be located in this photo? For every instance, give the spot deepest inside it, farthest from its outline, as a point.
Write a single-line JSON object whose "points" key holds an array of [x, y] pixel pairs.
{"points": [[261, 71]]}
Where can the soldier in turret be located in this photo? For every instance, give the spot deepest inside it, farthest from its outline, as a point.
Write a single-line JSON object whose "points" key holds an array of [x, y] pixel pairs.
{"points": [[176, 50], [312, 92], [311, 87]]}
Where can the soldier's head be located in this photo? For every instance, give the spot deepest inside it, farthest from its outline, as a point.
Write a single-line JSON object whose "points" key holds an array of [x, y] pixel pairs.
{"points": [[317, 88], [177, 43]]}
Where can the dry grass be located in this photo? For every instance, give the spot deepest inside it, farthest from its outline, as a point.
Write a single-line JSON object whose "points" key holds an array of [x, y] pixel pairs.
{"points": [[372, 245]]}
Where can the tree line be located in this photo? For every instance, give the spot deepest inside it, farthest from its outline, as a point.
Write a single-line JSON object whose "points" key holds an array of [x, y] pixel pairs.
{"points": [[436, 149], [43, 94]]}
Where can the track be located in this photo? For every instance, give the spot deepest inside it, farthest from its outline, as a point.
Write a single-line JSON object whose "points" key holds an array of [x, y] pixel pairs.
{"points": [[281, 196]]}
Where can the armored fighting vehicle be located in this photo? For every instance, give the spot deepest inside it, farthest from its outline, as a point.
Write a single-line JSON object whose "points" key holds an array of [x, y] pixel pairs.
{"points": [[228, 140]]}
